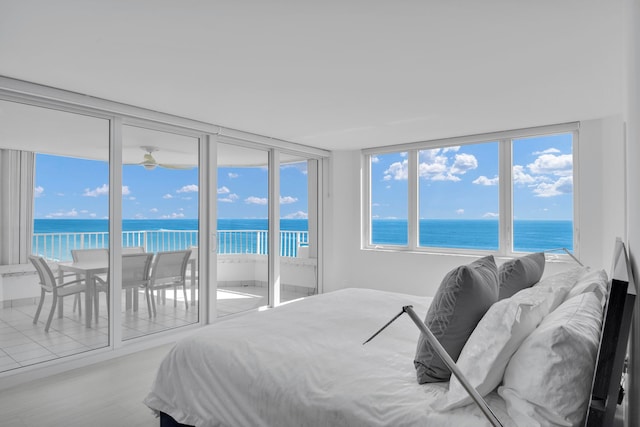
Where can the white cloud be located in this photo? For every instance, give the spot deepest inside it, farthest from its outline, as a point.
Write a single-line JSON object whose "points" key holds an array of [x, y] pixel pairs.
{"points": [[84, 211], [103, 190], [564, 185], [297, 215], [71, 213], [173, 216], [464, 162], [93, 215], [132, 198], [397, 171], [139, 216], [256, 200], [287, 200], [223, 190], [167, 196], [483, 180], [561, 165], [229, 199], [445, 177], [547, 151], [153, 210], [232, 175], [459, 211], [191, 188], [521, 177], [430, 169], [491, 215], [375, 159], [98, 191], [38, 191], [438, 165]]}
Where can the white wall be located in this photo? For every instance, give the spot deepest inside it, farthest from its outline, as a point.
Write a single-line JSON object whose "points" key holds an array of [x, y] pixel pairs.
{"points": [[601, 207], [632, 117]]}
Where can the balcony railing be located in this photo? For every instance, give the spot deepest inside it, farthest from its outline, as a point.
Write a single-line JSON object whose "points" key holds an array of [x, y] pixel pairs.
{"points": [[58, 246]]}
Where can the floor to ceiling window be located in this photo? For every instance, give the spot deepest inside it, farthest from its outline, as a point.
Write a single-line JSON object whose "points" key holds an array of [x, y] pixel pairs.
{"points": [[159, 231], [243, 228], [113, 201], [54, 199], [298, 227]]}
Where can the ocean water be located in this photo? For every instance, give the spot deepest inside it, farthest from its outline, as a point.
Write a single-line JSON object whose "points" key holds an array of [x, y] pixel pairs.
{"points": [[102, 225], [528, 235]]}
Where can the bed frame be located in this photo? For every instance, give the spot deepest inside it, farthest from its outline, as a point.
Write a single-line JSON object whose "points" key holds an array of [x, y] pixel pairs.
{"points": [[606, 389], [612, 351]]}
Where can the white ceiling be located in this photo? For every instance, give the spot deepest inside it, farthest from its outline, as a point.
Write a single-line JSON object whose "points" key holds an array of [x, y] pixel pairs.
{"points": [[335, 74]]}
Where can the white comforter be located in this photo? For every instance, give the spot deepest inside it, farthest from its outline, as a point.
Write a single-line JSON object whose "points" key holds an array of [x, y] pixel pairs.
{"points": [[303, 364]]}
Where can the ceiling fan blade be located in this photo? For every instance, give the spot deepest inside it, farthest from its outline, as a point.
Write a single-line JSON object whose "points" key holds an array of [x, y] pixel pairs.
{"points": [[170, 166]]}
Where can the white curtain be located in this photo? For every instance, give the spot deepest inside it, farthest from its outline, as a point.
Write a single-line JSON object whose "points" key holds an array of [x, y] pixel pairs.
{"points": [[16, 205]]}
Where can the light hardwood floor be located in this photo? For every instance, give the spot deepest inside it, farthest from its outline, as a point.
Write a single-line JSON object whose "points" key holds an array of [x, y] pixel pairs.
{"points": [[108, 393]]}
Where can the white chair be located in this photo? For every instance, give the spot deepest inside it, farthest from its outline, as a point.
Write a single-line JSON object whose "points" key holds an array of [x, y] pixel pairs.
{"points": [[125, 251], [48, 284], [169, 271], [133, 250], [192, 272], [90, 255], [100, 255], [135, 275]]}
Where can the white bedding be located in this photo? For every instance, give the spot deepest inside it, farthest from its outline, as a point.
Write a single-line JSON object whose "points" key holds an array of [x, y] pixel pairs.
{"points": [[303, 364]]}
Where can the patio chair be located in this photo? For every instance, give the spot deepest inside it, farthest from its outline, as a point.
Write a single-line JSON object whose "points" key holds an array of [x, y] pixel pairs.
{"points": [[192, 273], [48, 284], [94, 255], [90, 255], [135, 275], [169, 271], [126, 250]]}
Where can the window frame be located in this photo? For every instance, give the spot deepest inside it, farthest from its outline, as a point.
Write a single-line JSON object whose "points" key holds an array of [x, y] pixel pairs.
{"points": [[505, 188]]}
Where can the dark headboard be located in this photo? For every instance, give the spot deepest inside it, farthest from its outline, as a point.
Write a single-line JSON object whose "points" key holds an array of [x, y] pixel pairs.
{"points": [[613, 342]]}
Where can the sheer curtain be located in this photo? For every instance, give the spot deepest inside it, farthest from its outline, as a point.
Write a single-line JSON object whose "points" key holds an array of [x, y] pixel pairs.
{"points": [[16, 205]]}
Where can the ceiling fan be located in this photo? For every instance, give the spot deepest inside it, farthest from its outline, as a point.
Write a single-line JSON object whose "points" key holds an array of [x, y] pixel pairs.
{"points": [[150, 163]]}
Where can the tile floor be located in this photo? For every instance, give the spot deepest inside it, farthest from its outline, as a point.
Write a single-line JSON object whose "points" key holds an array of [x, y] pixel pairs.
{"points": [[22, 343]]}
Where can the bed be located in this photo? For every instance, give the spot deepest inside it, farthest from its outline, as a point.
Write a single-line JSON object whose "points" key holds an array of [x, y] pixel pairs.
{"points": [[304, 364]]}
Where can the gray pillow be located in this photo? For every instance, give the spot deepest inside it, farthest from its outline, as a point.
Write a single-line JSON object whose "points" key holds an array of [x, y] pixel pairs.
{"points": [[520, 273], [464, 296]]}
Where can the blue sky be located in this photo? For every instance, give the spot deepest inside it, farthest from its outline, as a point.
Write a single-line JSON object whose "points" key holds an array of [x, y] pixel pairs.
{"points": [[75, 188], [461, 182]]}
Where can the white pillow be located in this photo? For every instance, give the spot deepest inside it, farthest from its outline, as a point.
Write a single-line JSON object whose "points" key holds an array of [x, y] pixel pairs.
{"points": [[593, 281], [564, 279], [548, 380], [498, 335]]}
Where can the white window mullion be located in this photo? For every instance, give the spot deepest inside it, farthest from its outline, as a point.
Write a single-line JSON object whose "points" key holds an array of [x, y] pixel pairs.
{"points": [[366, 201], [115, 231], [207, 235], [412, 214], [274, 228], [506, 197]]}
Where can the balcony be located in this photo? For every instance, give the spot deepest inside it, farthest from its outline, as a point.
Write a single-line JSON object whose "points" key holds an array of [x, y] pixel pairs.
{"points": [[242, 271]]}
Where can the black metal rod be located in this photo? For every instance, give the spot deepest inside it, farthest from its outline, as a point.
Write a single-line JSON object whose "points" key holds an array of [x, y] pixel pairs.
{"points": [[482, 404], [384, 327]]}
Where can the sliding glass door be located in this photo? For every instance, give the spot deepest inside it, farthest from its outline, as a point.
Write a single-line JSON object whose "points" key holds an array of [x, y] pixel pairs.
{"points": [[298, 227], [159, 231], [54, 200], [243, 229]]}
